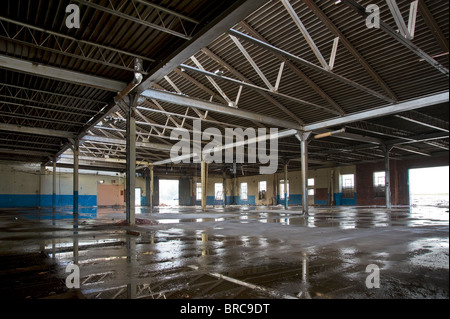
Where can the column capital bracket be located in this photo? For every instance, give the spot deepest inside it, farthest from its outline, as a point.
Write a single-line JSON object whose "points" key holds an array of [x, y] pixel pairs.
{"points": [[303, 136]]}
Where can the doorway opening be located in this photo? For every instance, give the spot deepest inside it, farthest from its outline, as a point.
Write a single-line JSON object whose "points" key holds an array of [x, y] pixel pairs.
{"points": [[138, 197], [168, 192], [429, 186]]}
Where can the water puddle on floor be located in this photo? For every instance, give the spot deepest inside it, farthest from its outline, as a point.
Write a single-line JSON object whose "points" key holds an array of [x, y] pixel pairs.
{"points": [[176, 263], [276, 254]]}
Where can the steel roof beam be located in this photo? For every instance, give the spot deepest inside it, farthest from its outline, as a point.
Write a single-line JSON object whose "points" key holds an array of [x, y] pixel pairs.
{"points": [[383, 111], [379, 129], [398, 18], [398, 37], [45, 109], [257, 88], [36, 144], [103, 160], [358, 137], [24, 152], [252, 63], [425, 120], [67, 37], [171, 12], [118, 141], [42, 98], [294, 68], [125, 16], [412, 150], [390, 132], [305, 34], [212, 107], [186, 117], [35, 131], [27, 116], [394, 142], [60, 74], [419, 139], [35, 99], [433, 26], [81, 56], [90, 165], [235, 13], [199, 84], [139, 133], [148, 120], [308, 64], [204, 117], [267, 137], [350, 48], [214, 83], [241, 77]]}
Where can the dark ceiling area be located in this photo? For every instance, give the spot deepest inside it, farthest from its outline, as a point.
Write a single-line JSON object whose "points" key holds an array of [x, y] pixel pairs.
{"points": [[307, 65]]}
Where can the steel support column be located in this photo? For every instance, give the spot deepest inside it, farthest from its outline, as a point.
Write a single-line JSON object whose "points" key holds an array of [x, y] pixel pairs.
{"points": [[131, 161], [54, 184], [152, 185], [203, 182], [147, 188], [41, 174], [286, 200], [303, 137], [76, 153], [386, 149], [224, 187], [332, 188]]}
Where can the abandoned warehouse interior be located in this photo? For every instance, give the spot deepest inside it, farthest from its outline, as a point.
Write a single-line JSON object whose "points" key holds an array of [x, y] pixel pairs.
{"points": [[114, 157]]}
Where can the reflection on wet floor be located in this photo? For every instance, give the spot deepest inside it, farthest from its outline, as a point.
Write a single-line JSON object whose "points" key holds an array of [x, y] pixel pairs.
{"points": [[231, 253]]}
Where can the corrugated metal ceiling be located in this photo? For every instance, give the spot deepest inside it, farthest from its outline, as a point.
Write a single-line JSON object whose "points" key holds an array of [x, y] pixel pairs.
{"points": [[27, 100]]}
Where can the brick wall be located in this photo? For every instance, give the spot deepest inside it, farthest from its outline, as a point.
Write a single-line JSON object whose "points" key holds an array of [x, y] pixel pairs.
{"points": [[399, 179]]}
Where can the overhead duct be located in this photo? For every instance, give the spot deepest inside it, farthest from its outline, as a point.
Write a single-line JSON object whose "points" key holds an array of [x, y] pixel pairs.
{"points": [[327, 134]]}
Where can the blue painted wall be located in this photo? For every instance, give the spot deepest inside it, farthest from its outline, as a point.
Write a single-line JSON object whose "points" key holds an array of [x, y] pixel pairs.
{"points": [[18, 201], [340, 201], [28, 201], [320, 202], [296, 199], [62, 213], [249, 201], [229, 200]]}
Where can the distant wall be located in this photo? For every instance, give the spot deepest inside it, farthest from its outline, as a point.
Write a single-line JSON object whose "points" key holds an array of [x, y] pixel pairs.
{"points": [[322, 188], [24, 186], [399, 179], [19, 185]]}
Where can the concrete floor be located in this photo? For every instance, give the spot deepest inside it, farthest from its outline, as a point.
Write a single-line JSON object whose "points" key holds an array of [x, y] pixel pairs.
{"points": [[237, 252]]}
